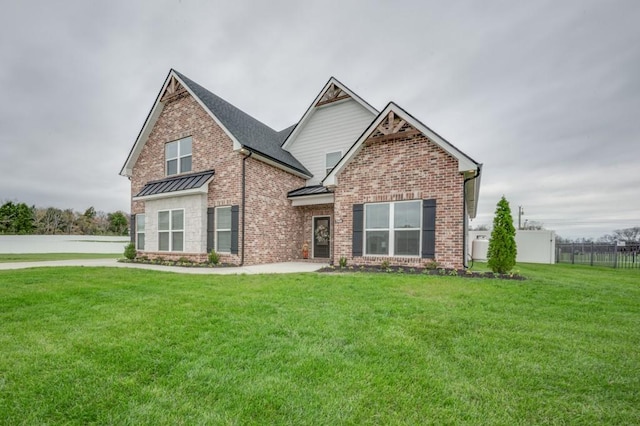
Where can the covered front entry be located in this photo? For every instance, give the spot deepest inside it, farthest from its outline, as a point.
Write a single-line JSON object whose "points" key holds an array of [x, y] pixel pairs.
{"points": [[321, 237]]}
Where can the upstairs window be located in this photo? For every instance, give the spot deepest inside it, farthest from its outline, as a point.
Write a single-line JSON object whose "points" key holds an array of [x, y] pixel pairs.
{"points": [[177, 156], [332, 158]]}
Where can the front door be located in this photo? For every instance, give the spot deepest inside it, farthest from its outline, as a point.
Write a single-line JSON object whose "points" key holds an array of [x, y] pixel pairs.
{"points": [[321, 236]]}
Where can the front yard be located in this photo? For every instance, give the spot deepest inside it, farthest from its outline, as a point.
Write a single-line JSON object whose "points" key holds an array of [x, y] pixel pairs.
{"points": [[107, 345]]}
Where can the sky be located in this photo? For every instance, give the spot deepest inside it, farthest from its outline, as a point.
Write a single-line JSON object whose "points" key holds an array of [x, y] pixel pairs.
{"points": [[546, 94]]}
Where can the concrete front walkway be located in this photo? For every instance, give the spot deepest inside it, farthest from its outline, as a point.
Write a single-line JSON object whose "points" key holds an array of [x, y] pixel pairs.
{"points": [[271, 268]]}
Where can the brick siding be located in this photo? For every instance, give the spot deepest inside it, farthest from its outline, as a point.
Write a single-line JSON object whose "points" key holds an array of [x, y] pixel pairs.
{"points": [[211, 149], [391, 170], [402, 169], [274, 227]]}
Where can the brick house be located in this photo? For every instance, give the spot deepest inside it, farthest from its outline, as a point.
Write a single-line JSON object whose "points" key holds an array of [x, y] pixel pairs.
{"points": [[345, 181]]}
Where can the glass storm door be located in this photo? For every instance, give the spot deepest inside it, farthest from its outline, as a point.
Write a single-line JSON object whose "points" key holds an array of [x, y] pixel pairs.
{"points": [[321, 237]]}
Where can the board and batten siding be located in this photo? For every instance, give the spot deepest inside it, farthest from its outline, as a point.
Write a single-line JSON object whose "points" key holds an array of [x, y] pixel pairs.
{"points": [[333, 127]]}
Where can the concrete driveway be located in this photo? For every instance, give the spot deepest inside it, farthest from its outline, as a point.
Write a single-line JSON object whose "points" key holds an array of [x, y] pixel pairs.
{"points": [[270, 268]]}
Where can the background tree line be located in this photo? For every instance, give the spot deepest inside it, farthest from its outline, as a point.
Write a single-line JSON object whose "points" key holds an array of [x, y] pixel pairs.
{"points": [[626, 235], [19, 218]]}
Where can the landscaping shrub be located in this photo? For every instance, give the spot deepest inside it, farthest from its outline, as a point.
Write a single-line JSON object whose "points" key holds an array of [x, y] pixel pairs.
{"points": [[130, 251], [502, 245], [214, 258]]}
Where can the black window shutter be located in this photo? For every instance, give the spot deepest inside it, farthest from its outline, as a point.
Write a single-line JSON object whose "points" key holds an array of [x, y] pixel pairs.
{"points": [[211, 230], [132, 228], [234, 229], [429, 229], [358, 227]]}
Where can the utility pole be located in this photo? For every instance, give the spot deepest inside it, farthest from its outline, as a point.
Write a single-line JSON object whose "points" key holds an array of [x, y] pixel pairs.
{"points": [[520, 214]]}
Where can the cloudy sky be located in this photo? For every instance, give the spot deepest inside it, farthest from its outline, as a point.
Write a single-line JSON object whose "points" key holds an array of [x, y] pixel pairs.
{"points": [[545, 93]]}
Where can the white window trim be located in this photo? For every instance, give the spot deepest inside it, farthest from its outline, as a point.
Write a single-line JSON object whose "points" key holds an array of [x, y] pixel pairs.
{"points": [[326, 167], [170, 231], [178, 157], [216, 230], [391, 229], [138, 232]]}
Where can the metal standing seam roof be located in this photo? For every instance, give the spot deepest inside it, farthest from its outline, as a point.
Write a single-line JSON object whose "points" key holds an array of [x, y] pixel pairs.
{"points": [[250, 132], [309, 190], [176, 183]]}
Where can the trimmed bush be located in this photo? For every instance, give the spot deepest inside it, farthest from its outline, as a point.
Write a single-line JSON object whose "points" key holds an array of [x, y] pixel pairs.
{"points": [[502, 245], [130, 251]]}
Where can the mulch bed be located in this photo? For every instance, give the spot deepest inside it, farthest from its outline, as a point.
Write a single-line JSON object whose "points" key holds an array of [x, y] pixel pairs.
{"points": [[183, 264], [448, 272]]}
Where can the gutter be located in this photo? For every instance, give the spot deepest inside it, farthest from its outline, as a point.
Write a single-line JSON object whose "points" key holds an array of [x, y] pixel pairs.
{"points": [[464, 215], [275, 160], [244, 183]]}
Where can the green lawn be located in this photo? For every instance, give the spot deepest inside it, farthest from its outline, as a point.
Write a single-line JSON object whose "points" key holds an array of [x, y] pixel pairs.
{"points": [[125, 346], [41, 257]]}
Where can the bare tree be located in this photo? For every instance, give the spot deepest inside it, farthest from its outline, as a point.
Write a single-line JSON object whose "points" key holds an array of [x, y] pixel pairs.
{"points": [[628, 235]]}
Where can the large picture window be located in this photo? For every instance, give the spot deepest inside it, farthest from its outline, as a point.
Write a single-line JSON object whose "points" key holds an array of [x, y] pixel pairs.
{"points": [[223, 229], [177, 156], [140, 232], [171, 230], [393, 229]]}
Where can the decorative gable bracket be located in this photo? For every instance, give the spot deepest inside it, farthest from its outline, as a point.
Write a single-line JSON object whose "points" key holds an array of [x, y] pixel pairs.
{"points": [[332, 94], [173, 91], [393, 127]]}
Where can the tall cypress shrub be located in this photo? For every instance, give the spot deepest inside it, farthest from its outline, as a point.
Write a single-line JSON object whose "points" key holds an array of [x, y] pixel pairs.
{"points": [[502, 246]]}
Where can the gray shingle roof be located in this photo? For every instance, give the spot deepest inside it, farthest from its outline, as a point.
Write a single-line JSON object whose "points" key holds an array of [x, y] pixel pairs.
{"points": [[175, 183], [251, 133]]}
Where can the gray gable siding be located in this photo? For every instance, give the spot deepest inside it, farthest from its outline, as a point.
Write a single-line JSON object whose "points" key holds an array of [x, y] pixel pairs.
{"points": [[333, 127]]}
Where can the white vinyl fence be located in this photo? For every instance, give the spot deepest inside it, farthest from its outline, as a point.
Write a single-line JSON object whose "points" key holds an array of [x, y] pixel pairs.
{"points": [[533, 246]]}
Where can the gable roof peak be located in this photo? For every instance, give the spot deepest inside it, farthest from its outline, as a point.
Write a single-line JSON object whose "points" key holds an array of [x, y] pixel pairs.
{"points": [[243, 129], [332, 91]]}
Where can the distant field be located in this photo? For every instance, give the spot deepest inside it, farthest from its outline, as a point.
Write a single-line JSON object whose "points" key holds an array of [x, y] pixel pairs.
{"points": [[40, 257], [128, 346]]}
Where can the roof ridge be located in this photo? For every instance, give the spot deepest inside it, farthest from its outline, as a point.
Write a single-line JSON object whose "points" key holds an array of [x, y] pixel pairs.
{"points": [[247, 131], [247, 115]]}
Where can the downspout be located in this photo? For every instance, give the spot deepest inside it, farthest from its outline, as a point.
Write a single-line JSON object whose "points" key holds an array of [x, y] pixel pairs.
{"points": [[464, 215], [244, 182]]}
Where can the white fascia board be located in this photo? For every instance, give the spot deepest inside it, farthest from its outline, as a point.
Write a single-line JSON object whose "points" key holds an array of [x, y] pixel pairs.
{"points": [[464, 162], [272, 163], [310, 200], [158, 106], [127, 170], [201, 190], [307, 115], [150, 121]]}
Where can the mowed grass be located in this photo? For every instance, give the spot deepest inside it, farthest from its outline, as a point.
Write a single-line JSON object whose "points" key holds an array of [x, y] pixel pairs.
{"points": [[125, 346], [41, 257]]}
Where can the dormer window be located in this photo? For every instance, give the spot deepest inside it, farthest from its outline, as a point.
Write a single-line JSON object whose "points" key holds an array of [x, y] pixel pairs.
{"points": [[177, 156], [331, 159]]}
